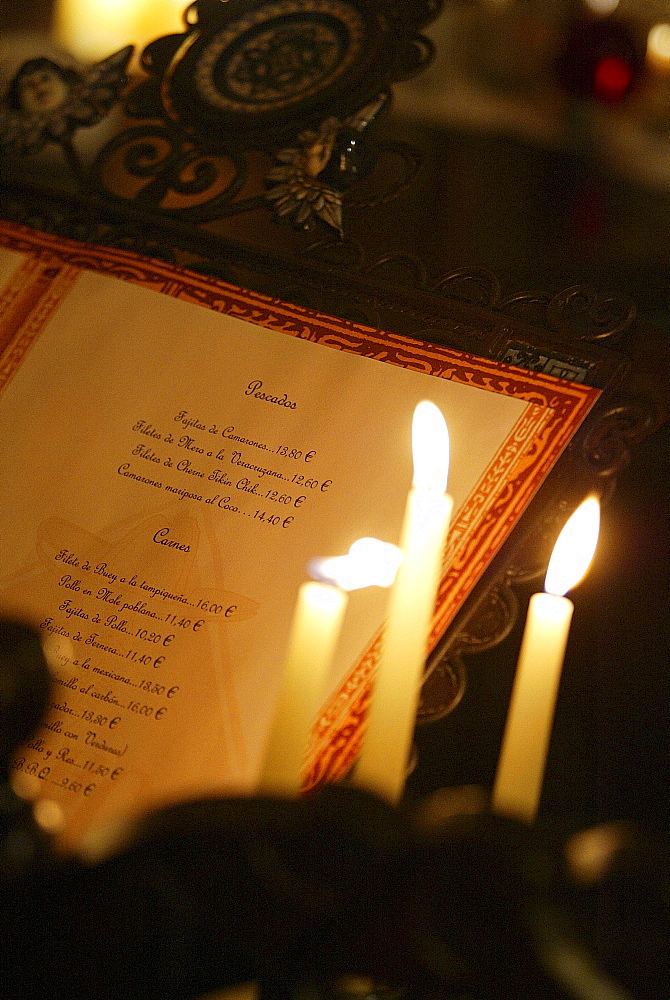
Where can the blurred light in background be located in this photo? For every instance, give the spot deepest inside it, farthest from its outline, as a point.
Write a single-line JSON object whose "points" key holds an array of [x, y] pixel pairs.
{"points": [[602, 6], [612, 78], [658, 48], [94, 29]]}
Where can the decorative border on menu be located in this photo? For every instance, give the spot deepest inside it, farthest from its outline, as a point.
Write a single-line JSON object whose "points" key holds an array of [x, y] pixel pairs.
{"points": [[570, 401], [555, 410]]}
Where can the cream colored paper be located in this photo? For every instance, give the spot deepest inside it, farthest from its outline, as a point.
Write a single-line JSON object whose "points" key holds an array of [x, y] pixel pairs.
{"points": [[167, 474]]}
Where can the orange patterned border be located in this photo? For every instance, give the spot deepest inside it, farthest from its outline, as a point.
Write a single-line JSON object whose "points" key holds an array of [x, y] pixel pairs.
{"points": [[570, 401], [554, 412], [33, 309]]}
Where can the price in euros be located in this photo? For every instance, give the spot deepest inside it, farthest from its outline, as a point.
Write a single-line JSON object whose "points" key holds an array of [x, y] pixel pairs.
{"points": [[148, 711], [311, 484], [273, 519], [295, 453], [146, 659], [285, 498], [189, 623], [77, 787], [156, 637], [153, 688], [100, 720]]}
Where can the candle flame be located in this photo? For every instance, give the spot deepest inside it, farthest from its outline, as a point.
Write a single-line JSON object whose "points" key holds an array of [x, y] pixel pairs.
{"points": [[574, 549], [430, 448], [369, 563]]}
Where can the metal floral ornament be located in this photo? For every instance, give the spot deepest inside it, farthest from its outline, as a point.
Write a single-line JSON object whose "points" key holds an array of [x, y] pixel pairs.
{"points": [[309, 182], [297, 81]]}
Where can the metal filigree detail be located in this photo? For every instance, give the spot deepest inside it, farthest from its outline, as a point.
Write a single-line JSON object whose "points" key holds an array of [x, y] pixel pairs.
{"points": [[164, 171], [581, 310], [402, 267], [607, 443], [261, 77], [494, 621], [531, 307], [442, 689], [345, 253], [308, 182], [446, 675], [471, 284], [278, 54], [262, 72], [245, 83]]}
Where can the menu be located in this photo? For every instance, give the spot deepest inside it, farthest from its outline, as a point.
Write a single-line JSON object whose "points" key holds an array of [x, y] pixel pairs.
{"points": [[174, 451]]}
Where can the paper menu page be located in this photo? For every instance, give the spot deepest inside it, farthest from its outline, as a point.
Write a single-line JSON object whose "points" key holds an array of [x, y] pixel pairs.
{"points": [[168, 472], [178, 471]]}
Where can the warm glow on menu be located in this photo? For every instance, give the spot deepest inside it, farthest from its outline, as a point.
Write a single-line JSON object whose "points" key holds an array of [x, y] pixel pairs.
{"points": [[368, 563], [163, 567], [382, 763], [518, 783]]}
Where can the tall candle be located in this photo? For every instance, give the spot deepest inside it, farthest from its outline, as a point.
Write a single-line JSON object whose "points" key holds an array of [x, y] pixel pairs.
{"points": [[382, 764], [315, 629], [518, 783], [94, 29]]}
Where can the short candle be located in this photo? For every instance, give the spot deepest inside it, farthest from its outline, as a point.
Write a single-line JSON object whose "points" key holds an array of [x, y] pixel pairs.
{"points": [[315, 629]]}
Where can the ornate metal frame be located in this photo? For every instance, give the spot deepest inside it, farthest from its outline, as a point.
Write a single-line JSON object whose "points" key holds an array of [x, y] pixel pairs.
{"points": [[198, 149]]}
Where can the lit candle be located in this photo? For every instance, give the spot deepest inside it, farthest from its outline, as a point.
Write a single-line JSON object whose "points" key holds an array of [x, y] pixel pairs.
{"points": [[518, 782], [317, 620], [382, 764], [94, 29]]}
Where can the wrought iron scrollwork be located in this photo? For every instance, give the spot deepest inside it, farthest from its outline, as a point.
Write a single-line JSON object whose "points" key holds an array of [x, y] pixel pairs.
{"points": [[476, 285], [608, 442], [442, 689], [528, 306], [236, 112], [596, 317], [159, 168], [409, 270], [578, 312], [248, 81]]}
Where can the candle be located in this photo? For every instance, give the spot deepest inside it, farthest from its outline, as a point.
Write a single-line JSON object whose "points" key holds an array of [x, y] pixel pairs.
{"points": [[518, 782], [94, 29], [382, 763], [315, 628]]}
